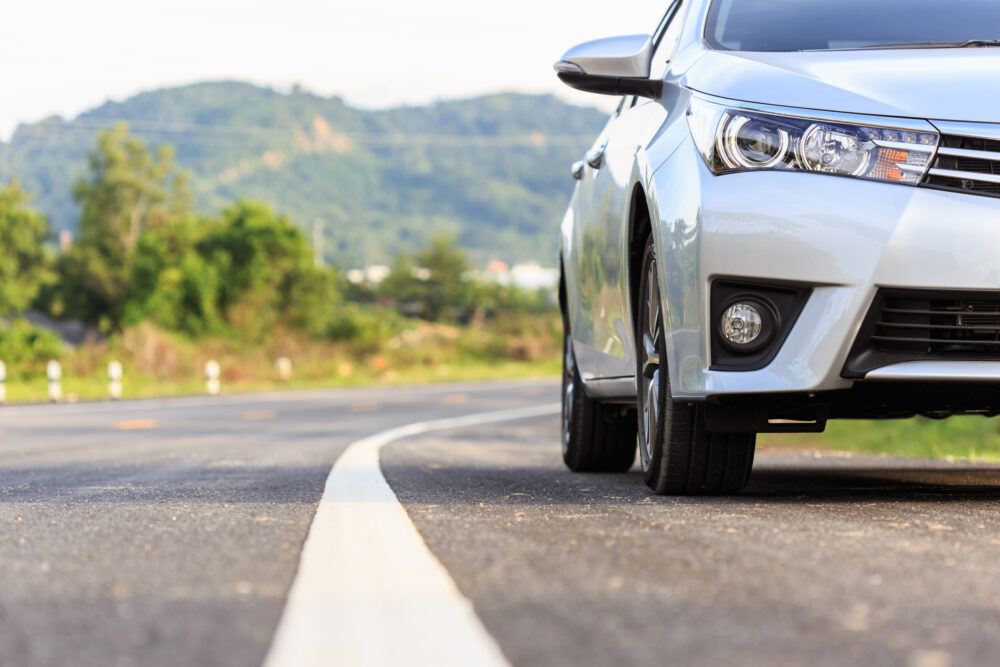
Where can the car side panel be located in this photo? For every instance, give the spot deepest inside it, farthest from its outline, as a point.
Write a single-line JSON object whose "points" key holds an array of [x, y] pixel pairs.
{"points": [[579, 271], [654, 129], [598, 239], [623, 169]]}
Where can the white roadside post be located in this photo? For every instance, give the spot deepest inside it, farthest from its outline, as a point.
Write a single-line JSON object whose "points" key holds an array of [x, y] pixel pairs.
{"points": [[212, 372], [115, 373], [3, 383], [53, 370], [284, 367]]}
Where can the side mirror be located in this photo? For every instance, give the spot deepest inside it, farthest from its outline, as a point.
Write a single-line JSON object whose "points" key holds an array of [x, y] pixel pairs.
{"points": [[612, 66]]}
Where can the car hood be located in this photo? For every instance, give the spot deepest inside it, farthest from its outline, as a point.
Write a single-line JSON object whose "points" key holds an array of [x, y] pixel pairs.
{"points": [[934, 84]]}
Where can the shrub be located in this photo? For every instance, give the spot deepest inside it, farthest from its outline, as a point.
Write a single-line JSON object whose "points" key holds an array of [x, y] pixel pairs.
{"points": [[26, 349]]}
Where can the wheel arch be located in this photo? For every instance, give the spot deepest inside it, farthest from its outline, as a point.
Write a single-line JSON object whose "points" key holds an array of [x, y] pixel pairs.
{"points": [[563, 303], [639, 228]]}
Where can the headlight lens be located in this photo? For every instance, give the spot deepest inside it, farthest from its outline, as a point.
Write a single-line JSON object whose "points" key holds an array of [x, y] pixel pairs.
{"points": [[753, 144], [741, 139], [835, 151]]}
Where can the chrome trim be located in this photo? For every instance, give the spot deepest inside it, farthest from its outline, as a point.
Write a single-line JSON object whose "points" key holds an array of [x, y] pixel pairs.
{"points": [[977, 130], [890, 122], [903, 146], [911, 168], [965, 152], [965, 175], [939, 371]]}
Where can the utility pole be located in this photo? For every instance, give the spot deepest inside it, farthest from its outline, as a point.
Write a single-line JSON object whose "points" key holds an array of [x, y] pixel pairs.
{"points": [[318, 228]]}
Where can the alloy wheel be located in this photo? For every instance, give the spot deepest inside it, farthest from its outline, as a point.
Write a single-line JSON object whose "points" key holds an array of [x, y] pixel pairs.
{"points": [[649, 376]]}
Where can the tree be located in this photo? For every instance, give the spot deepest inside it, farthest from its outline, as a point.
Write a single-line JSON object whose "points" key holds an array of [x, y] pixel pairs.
{"points": [[172, 284], [448, 287], [127, 191], [269, 278], [24, 267], [434, 284]]}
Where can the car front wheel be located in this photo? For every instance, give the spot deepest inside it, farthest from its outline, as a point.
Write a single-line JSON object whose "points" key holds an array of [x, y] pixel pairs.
{"points": [[678, 454]]}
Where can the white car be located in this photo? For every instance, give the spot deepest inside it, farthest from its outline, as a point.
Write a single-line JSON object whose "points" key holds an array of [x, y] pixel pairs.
{"points": [[792, 216]]}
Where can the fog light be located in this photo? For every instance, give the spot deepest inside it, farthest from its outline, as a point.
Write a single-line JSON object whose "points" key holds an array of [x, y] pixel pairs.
{"points": [[742, 324], [750, 321]]}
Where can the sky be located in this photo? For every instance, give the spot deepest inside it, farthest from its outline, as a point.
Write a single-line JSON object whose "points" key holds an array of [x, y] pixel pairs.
{"points": [[61, 57]]}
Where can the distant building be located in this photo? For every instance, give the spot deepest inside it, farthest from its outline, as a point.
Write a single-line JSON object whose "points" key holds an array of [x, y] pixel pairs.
{"points": [[534, 276], [498, 268], [529, 276], [372, 275]]}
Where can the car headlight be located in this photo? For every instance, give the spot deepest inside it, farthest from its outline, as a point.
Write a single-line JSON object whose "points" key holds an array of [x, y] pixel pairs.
{"points": [[733, 139]]}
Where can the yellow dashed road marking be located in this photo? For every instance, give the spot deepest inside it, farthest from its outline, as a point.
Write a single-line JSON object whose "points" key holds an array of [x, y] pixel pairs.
{"points": [[364, 407], [532, 391], [259, 415], [136, 425], [454, 399]]}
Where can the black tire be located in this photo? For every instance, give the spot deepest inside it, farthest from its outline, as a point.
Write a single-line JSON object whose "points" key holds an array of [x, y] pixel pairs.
{"points": [[678, 455], [595, 437]]}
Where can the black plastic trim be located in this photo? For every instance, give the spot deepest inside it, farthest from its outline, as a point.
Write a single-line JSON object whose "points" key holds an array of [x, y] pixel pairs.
{"points": [[785, 301], [755, 416], [864, 400], [971, 166], [865, 357], [613, 85]]}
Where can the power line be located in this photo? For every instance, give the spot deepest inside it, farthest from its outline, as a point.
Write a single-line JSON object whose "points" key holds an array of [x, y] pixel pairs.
{"points": [[210, 135]]}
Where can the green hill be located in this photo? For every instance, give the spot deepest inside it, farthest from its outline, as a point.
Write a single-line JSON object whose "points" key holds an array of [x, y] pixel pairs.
{"points": [[493, 171]]}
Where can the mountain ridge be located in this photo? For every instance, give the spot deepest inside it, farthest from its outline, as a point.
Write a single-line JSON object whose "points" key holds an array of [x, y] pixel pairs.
{"points": [[490, 170]]}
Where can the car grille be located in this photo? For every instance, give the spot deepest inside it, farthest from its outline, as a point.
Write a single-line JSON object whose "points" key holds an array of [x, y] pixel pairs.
{"points": [[907, 325], [966, 164]]}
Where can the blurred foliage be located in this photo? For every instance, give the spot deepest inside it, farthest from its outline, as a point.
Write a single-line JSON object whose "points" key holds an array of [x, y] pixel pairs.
{"points": [[142, 255], [172, 284], [25, 349], [23, 263], [431, 285], [490, 172], [163, 290], [437, 284], [127, 191], [972, 438], [270, 276]]}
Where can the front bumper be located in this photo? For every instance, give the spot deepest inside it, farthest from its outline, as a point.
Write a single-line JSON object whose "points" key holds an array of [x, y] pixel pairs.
{"points": [[845, 237]]}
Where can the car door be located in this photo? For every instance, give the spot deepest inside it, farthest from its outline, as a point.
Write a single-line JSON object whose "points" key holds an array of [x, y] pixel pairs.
{"points": [[602, 236], [585, 252]]}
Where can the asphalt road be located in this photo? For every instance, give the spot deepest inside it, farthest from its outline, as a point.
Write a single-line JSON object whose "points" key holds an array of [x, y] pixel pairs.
{"points": [[169, 533]]}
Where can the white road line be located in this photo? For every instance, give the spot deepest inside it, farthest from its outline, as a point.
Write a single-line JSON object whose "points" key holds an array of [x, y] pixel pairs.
{"points": [[368, 591]]}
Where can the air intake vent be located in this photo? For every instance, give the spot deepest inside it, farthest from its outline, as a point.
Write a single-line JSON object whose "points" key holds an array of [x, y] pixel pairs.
{"points": [[966, 164], [906, 325]]}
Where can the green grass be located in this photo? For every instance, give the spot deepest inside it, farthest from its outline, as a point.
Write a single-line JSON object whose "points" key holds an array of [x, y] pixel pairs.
{"points": [[965, 438], [95, 387]]}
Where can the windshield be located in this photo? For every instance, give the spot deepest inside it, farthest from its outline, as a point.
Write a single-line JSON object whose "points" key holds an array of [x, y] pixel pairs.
{"points": [[808, 25]]}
